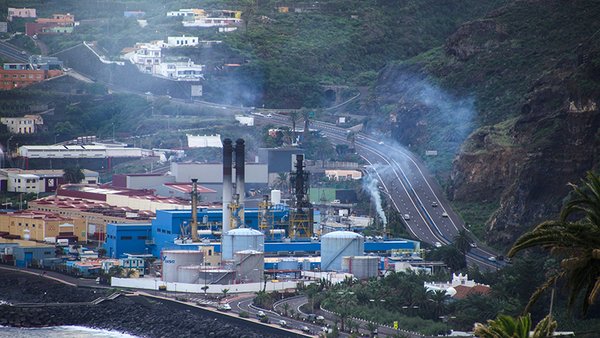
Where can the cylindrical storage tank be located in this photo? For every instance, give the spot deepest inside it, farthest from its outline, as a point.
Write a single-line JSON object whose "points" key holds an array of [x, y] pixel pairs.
{"points": [[362, 267], [173, 259], [306, 265], [288, 264], [217, 276], [249, 266], [338, 244], [188, 274], [276, 197], [241, 239]]}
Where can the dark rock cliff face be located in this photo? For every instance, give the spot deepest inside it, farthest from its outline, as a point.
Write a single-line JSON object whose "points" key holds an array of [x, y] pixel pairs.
{"points": [[537, 120]]}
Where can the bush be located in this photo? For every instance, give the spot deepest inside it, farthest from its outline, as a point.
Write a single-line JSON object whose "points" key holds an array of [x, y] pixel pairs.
{"points": [[244, 314], [264, 319]]}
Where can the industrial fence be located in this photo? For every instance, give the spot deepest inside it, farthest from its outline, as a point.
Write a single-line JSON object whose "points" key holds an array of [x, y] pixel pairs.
{"points": [[157, 284]]}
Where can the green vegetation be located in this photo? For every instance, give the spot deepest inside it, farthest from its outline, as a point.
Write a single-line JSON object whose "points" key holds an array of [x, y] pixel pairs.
{"points": [[475, 215]]}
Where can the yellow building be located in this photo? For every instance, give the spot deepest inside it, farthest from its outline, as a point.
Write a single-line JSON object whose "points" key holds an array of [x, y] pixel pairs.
{"points": [[41, 226]]}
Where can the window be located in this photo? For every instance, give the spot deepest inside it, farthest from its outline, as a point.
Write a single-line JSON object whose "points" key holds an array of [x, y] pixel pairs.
{"points": [[142, 237], [125, 238]]}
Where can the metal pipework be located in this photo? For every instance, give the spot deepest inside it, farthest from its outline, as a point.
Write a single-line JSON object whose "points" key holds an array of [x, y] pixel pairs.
{"points": [[194, 225]]}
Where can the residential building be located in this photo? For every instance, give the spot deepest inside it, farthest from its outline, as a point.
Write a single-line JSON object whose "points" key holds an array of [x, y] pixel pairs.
{"points": [[57, 23], [18, 75], [189, 12], [212, 22], [41, 226], [182, 41], [180, 71], [21, 13], [27, 124], [39, 181], [146, 56]]}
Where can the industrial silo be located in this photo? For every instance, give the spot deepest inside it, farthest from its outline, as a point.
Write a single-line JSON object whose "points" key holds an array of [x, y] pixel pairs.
{"points": [[173, 259], [188, 274], [338, 244], [241, 239], [362, 267], [249, 266]]}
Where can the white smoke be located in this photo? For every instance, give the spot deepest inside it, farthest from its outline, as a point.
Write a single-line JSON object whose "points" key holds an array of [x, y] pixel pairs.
{"points": [[370, 185]]}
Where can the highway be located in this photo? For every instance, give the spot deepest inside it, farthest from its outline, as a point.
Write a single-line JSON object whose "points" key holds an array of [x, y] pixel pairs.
{"points": [[13, 53], [408, 186]]}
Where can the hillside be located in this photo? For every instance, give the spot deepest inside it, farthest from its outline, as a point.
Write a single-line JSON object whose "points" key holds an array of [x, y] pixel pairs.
{"points": [[523, 82]]}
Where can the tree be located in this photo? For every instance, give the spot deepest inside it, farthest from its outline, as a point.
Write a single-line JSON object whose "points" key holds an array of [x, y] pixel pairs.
{"points": [[281, 182], [73, 175], [438, 300], [101, 252], [225, 291], [372, 328], [306, 117], [509, 327], [286, 308], [462, 241], [205, 289], [576, 242]]}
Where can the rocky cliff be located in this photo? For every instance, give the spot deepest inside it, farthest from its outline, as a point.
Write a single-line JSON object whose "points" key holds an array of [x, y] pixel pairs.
{"points": [[530, 73]]}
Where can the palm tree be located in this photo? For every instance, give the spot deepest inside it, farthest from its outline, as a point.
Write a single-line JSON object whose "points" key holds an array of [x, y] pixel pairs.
{"points": [[225, 292], [73, 175], [281, 182], [306, 117], [576, 242], [509, 327], [286, 308], [462, 241], [351, 137], [205, 289], [438, 300]]}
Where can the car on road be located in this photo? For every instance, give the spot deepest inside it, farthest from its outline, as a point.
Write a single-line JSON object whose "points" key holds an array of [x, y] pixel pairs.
{"points": [[380, 142], [269, 115], [282, 323], [434, 204], [438, 244], [305, 328], [444, 214], [320, 319], [148, 93], [473, 245], [492, 259], [406, 217], [224, 307], [260, 314]]}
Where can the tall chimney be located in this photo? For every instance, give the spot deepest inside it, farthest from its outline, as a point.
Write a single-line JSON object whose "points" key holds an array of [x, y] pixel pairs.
{"points": [[240, 169], [194, 226], [227, 182]]}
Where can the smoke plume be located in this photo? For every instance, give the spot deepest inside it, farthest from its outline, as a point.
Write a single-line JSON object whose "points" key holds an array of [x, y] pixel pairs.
{"points": [[370, 185]]}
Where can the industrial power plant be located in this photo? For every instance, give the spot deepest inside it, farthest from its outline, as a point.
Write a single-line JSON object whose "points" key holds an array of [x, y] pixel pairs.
{"points": [[238, 245]]}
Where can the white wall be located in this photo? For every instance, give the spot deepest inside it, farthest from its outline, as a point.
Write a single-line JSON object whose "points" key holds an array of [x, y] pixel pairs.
{"points": [[155, 283]]}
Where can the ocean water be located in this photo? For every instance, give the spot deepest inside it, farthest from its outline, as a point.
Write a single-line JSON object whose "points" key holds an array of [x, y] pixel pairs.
{"points": [[59, 332]]}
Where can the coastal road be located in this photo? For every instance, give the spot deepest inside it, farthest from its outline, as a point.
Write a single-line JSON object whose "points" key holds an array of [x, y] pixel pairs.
{"points": [[246, 305], [413, 192]]}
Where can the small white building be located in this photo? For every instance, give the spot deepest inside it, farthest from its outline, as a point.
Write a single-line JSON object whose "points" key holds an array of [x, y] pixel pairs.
{"points": [[343, 175], [184, 12], [21, 13], [180, 71], [181, 41], [204, 141], [39, 181], [245, 120], [22, 125], [146, 56], [212, 22]]}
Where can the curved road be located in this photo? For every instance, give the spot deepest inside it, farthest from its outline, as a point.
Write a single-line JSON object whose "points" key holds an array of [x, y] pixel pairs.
{"points": [[410, 188]]}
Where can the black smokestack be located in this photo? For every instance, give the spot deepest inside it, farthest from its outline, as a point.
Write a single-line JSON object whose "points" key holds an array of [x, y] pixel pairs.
{"points": [[227, 182]]}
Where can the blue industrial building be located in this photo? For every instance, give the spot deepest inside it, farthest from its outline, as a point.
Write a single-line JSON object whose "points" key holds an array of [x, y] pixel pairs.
{"points": [[168, 225], [127, 238]]}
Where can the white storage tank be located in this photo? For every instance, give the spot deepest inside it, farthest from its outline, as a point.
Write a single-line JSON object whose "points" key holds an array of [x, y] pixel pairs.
{"points": [[173, 259], [276, 197], [188, 274], [249, 266], [362, 267], [338, 244], [241, 239]]}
